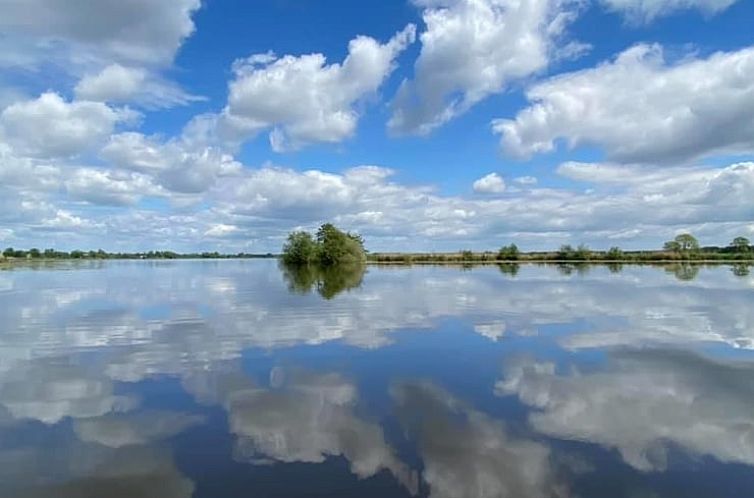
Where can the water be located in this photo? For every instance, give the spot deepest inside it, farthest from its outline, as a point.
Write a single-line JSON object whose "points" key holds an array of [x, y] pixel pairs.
{"points": [[233, 379]]}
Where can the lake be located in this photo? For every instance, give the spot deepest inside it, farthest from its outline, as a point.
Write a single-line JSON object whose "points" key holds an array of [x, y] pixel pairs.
{"points": [[214, 379]]}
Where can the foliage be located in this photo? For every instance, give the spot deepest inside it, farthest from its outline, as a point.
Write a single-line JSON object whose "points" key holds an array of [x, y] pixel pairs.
{"points": [[741, 244], [300, 249], [338, 247], [329, 247], [614, 253], [568, 253], [508, 253]]}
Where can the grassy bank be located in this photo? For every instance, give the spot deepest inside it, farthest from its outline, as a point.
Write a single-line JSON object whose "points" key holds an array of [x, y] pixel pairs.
{"points": [[628, 257]]}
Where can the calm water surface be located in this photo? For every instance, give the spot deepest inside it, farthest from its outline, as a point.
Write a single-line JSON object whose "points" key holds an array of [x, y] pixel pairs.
{"points": [[213, 379]]}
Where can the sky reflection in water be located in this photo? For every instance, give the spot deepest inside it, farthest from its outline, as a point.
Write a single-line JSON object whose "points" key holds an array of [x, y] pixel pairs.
{"points": [[237, 378]]}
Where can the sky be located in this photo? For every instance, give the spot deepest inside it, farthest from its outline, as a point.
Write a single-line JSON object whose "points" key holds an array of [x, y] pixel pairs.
{"points": [[428, 125]]}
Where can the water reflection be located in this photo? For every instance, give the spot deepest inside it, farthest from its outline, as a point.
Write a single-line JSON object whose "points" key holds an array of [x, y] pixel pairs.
{"points": [[328, 281], [643, 404], [228, 378], [467, 453]]}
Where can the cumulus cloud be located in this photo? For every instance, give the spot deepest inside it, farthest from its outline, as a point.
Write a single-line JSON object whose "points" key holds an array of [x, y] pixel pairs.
{"points": [[51, 127], [117, 84], [304, 99], [526, 180], [490, 184], [175, 165], [645, 11], [643, 403], [472, 49], [116, 188], [144, 31], [640, 108]]}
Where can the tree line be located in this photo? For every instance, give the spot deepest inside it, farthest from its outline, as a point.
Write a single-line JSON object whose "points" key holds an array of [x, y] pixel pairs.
{"points": [[34, 254], [684, 247]]}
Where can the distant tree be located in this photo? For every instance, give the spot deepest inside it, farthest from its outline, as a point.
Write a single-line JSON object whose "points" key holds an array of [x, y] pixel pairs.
{"points": [[9, 252], [508, 253], [467, 255], [582, 252], [672, 245], [35, 253], [565, 252], [331, 246], [740, 244], [614, 254], [687, 242], [77, 254], [683, 243]]}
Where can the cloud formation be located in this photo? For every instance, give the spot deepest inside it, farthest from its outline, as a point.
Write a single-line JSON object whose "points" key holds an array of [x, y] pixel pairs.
{"points": [[303, 99], [645, 11], [643, 403], [641, 108], [472, 49], [143, 31], [490, 184]]}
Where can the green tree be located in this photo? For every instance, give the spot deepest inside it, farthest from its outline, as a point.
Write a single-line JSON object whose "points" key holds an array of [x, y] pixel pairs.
{"points": [[35, 253], [565, 252], [740, 244], [684, 243], [330, 247], [338, 247], [614, 254], [9, 252], [508, 253], [582, 252], [687, 242], [672, 246], [300, 249]]}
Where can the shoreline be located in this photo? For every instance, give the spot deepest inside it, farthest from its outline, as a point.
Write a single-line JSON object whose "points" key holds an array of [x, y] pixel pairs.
{"points": [[418, 262]]}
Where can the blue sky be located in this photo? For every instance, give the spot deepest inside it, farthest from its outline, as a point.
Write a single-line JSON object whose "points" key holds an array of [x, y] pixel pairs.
{"points": [[424, 124]]}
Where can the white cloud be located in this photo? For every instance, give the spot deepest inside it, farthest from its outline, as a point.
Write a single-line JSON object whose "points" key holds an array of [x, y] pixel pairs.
{"points": [[645, 11], [639, 108], [472, 49], [305, 100], [109, 187], [490, 184], [51, 127], [143, 31], [117, 84], [526, 180], [175, 165]]}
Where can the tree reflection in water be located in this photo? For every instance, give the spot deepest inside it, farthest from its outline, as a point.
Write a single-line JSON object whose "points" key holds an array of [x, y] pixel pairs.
{"points": [[328, 281]]}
